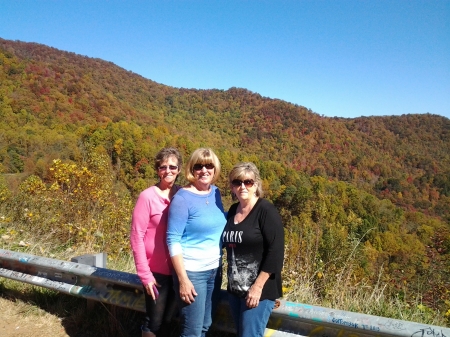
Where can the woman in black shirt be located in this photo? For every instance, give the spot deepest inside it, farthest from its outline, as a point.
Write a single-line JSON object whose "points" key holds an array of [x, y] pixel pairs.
{"points": [[254, 240]]}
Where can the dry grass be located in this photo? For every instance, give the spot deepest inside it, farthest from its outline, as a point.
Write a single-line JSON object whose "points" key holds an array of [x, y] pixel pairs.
{"points": [[44, 312], [364, 298]]}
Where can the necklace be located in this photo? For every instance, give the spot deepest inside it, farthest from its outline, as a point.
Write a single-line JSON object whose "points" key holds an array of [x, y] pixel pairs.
{"points": [[207, 201], [196, 190]]}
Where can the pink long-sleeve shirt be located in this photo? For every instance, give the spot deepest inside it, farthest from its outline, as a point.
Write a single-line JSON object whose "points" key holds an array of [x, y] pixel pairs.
{"points": [[148, 235]]}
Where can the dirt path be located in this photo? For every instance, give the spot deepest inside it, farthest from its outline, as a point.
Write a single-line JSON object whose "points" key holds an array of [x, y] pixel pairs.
{"points": [[18, 319]]}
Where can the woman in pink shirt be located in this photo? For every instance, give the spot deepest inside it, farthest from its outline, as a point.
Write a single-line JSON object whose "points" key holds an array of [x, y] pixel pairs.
{"points": [[148, 242]]}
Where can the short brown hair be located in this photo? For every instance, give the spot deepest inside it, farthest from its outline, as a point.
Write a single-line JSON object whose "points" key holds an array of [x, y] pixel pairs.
{"points": [[164, 155]]}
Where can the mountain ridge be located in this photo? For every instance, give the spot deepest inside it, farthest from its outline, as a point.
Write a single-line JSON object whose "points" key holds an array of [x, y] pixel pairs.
{"points": [[63, 87], [373, 192]]}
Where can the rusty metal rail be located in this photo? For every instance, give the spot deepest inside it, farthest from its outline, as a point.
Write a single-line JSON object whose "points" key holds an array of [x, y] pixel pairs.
{"points": [[125, 290]]}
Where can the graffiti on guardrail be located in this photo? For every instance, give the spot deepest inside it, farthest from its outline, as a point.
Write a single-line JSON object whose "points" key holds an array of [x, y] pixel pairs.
{"points": [[316, 331], [117, 297], [429, 331], [117, 276], [350, 324], [128, 298], [125, 290], [395, 325], [40, 280]]}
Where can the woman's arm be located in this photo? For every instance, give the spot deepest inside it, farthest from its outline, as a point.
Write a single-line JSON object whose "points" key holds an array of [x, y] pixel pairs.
{"points": [[177, 220], [273, 236], [254, 293], [139, 224], [187, 290], [178, 217]]}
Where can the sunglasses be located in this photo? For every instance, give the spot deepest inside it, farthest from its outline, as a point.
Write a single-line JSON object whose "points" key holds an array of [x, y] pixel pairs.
{"points": [[246, 182], [171, 167], [198, 167]]}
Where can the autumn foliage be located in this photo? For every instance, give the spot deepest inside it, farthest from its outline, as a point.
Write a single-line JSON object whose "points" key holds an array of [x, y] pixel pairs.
{"points": [[364, 201]]}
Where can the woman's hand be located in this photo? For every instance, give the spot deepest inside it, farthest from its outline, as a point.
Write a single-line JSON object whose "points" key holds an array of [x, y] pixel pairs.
{"points": [[253, 296], [150, 291], [187, 291]]}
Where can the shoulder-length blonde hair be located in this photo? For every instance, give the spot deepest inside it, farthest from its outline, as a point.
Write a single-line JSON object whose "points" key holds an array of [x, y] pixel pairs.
{"points": [[202, 156], [244, 170]]}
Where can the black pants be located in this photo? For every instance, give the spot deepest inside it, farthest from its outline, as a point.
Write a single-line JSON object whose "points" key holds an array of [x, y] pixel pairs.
{"points": [[164, 309]]}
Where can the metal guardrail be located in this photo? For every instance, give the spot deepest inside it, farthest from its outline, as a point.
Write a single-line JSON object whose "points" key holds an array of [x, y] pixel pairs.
{"points": [[125, 290]]}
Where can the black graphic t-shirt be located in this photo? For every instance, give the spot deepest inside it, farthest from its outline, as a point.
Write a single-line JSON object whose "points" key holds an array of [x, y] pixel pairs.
{"points": [[253, 245]]}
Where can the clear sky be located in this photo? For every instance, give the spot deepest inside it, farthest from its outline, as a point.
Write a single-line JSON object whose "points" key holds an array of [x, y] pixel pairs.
{"points": [[343, 58]]}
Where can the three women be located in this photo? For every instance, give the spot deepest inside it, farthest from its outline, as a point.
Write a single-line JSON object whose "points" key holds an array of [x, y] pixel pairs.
{"points": [[253, 237]]}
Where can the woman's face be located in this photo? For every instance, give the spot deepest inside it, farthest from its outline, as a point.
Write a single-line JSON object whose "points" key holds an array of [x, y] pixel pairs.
{"points": [[244, 188], [169, 170], [204, 173]]}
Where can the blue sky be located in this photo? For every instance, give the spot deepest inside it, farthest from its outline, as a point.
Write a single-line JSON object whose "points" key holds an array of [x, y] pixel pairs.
{"points": [[342, 58]]}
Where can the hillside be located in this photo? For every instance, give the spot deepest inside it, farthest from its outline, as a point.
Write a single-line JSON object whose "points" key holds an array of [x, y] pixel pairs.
{"points": [[375, 190], [51, 99]]}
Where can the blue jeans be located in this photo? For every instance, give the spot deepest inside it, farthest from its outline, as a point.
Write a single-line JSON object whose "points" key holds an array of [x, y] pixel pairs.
{"points": [[196, 318], [250, 322], [165, 307]]}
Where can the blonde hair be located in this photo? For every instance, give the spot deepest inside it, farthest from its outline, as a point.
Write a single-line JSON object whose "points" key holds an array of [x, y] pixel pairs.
{"points": [[243, 170], [202, 156]]}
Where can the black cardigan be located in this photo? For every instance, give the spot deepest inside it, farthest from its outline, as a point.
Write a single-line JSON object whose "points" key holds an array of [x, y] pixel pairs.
{"points": [[253, 245]]}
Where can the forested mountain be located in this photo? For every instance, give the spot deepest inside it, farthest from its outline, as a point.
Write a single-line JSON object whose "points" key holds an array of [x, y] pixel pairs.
{"points": [[52, 100], [382, 181]]}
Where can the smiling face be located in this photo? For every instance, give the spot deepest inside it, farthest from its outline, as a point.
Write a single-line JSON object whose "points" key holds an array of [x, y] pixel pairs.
{"points": [[203, 173], [168, 170]]}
